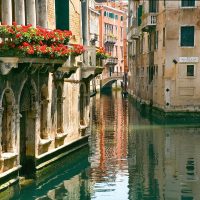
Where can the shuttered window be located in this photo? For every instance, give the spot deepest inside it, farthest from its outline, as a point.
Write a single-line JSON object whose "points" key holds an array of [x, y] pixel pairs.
{"points": [[62, 14], [139, 15], [188, 3], [187, 36], [111, 15], [152, 6]]}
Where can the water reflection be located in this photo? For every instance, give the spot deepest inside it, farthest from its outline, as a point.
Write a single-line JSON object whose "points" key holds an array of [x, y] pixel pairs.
{"points": [[109, 166], [130, 159]]}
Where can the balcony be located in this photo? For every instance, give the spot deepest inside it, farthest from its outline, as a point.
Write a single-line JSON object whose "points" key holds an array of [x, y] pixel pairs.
{"points": [[110, 39], [112, 61], [148, 22], [89, 67], [133, 33]]}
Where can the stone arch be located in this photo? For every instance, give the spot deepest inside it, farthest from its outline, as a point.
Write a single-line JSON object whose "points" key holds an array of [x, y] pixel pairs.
{"points": [[59, 105], [82, 103], [44, 102], [28, 108], [33, 91], [8, 119]]}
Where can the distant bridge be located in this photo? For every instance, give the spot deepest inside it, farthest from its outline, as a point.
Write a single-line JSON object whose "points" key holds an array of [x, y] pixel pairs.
{"points": [[109, 80]]}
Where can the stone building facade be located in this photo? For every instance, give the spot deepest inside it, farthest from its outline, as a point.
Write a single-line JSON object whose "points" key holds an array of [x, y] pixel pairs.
{"points": [[44, 103], [112, 34], [164, 54]]}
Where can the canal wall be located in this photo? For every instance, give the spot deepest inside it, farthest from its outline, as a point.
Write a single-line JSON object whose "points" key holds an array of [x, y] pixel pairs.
{"points": [[159, 115]]}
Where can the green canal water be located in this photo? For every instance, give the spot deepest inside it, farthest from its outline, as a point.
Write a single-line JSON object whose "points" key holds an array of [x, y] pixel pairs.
{"points": [[128, 158]]}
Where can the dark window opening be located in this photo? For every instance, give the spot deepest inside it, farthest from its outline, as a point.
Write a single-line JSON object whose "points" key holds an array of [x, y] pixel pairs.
{"points": [[190, 70], [187, 36], [139, 15], [62, 14], [153, 6], [188, 3]]}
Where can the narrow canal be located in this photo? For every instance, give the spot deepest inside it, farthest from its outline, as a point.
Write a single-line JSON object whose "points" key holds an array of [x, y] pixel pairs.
{"points": [[128, 158]]}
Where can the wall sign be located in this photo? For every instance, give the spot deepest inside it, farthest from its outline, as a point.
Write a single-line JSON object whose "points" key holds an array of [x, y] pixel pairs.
{"points": [[188, 59]]}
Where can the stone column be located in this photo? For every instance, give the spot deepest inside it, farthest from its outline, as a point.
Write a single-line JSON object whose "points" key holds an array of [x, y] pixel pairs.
{"points": [[42, 14], [1, 115], [31, 12], [20, 11], [17, 134], [7, 11]]}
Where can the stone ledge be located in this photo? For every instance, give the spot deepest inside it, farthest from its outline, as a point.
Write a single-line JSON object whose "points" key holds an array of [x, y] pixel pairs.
{"points": [[82, 127], [8, 155], [61, 135], [10, 171], [55, 154], [45, 141]]}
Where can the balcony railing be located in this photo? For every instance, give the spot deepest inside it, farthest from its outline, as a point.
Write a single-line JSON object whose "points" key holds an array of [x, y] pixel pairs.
{"points": [[112, 61], [134, 33], [110, 39], [149, 21]]}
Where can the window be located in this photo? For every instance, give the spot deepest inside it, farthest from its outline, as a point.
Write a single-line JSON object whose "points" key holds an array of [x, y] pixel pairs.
{"points": [[13, 11], [187, 3], [156, 40], [122, 18], [152, 6], [116, 51], [105, 13], [149, 42], [190, 70], [116, 16], [62, 14], [43, 112], [59, 111], [8, 120], [121, 33], [163, 37], [122, 52], [139, 15], [111, 15], [187, 36]]}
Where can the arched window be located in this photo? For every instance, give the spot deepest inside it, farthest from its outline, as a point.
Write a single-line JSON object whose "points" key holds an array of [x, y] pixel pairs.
{"points": [[43, 112], [8, 122], [59, 111]]}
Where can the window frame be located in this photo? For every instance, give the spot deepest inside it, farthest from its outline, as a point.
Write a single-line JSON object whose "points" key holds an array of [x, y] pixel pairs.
{"points": [[194, 70], [186, 7], [186, 25]]}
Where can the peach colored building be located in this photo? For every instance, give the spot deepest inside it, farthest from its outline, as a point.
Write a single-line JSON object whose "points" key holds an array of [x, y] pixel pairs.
{"points": [[112, 35]]}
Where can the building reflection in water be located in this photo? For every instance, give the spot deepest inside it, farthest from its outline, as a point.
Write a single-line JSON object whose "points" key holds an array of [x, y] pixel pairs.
{"points": [[109, 146], [164, 161], [66, 179], [130, 159]]}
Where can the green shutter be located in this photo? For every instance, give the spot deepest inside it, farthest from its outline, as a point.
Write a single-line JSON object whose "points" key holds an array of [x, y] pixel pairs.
{"points": [[62, 14], [187, 36], [139, 15]]}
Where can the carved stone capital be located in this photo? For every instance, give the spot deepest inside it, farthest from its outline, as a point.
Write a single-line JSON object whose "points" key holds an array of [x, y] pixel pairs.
{"points": [[7, 63]]}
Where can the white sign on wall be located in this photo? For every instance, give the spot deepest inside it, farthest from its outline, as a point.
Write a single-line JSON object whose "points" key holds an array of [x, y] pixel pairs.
{"points": [[188, 59]]}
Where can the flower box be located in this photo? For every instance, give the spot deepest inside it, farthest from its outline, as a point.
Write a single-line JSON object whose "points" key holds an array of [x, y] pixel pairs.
{"points": [[27, 41]]}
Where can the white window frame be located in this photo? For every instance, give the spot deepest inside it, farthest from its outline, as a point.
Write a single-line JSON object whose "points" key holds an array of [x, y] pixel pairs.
{"points": [[195, 71], [188, 7]]}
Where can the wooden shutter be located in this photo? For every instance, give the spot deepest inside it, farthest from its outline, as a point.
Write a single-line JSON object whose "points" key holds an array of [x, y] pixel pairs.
{"points": [[62, 14], [139, 15], [187, 36]]}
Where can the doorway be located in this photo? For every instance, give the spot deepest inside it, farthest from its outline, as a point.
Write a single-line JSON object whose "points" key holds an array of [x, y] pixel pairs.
{"points": [[27, 130]]}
